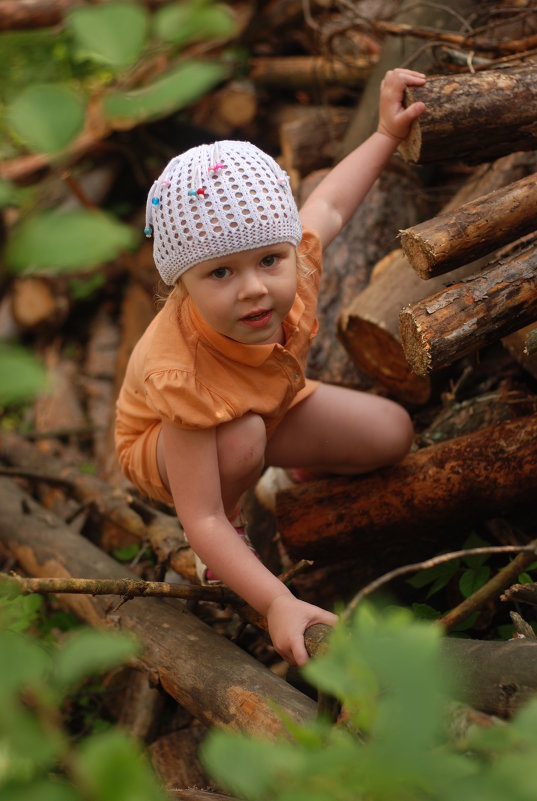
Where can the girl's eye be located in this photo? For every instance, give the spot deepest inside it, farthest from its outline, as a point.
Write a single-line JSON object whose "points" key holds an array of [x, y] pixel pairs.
{"points": [[220, 272], [269, 261]]}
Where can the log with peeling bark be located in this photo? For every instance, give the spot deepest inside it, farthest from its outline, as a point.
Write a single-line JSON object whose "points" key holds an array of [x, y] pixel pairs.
{"points": [[410, 510], [472, 230], [473, 117], [369, 326], [217, 682], [462, 318]]}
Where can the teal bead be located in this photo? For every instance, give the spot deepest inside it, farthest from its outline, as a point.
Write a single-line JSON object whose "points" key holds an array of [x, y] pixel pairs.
{"points": [[155, 201], [148, 231]]}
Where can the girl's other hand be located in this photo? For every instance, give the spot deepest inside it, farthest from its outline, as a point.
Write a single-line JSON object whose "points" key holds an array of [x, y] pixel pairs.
{"points": [[394, 119], [288, 618]]}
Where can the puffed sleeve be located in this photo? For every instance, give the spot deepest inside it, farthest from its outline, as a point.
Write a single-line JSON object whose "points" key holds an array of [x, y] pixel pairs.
{"points": [[176, 396]]}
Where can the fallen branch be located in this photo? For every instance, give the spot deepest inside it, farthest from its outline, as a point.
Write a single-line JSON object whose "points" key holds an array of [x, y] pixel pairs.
{"points": [[127, 588], [491, 589], [441, 559], [215, 680]]}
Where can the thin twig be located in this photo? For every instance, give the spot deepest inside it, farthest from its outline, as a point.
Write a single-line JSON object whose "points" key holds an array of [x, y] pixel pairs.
{"points": [[127, 588], [375, 585]]}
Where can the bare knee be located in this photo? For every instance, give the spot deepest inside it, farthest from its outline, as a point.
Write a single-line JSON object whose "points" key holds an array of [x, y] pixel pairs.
{"points": [[241, 449], [398, 433]]}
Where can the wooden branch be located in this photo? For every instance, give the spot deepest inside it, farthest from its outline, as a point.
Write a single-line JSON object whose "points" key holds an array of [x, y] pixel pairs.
{"points": [[163, 531], [473, 117], [306, 72], [126, 588], [526, 552], [521, 593], [490, 590], [213, 679], [472, 230], [462, 318], [413, 507]]}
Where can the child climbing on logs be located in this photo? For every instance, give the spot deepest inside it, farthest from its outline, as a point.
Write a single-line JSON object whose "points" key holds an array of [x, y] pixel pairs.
{"points": [[215, 388]]}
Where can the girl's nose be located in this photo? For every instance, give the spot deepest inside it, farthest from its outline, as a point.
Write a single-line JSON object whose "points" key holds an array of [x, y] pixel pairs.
{"points": [[252, 285]]}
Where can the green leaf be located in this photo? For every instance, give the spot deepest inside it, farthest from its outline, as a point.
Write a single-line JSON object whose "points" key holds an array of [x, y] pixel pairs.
{"points": [[437, 577], [112, 33], [46, 117], [127, 553], [22, 376], [20, 612], [178, 88], [472, 579], [91, 651], [24, 663], [60, 241], [111, 768], [179, 23], [475, 541], [52, 789]]}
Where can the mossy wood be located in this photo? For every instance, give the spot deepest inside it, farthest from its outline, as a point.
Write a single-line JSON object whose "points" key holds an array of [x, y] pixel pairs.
{"points": [[473, 230], [413, 509], [460, 319], [473, 117]]}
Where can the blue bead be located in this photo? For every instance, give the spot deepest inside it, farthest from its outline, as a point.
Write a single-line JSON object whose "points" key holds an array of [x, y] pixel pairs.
{"points": [[148, 231], [192, 193], [155, 201]]}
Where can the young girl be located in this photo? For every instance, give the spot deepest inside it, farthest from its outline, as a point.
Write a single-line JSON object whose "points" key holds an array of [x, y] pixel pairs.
{"points": [[215, 388]]}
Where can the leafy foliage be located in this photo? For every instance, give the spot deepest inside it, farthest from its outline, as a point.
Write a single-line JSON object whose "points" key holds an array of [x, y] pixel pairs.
{"points": [[21, 374], [387, 671], [37, 759]]}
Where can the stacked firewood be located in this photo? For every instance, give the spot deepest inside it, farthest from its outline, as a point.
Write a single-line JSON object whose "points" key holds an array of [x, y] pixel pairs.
{"points": [[396, 317]]}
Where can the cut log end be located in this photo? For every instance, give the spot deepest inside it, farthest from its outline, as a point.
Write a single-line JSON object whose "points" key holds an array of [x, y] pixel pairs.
{"points": [[416, 350], [377, 352], [420, 256]]}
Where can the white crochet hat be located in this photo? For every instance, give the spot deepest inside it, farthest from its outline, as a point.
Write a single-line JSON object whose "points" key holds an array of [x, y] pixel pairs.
{"points": [[214, 200]]}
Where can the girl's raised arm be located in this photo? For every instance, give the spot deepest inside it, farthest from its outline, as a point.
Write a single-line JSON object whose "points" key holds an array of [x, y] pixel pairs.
{"points": [[333, 202]]}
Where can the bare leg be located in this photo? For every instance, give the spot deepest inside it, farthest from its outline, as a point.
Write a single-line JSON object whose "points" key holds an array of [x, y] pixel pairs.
{"points": [[339, 430], [241, 451]]}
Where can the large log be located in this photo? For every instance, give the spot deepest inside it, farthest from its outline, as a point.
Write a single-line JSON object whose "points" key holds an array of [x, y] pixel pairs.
{"points": [[212, 678], [473, 117], [472, 230], [413, 508], [494, 677], [462, 318], [369, 326]]}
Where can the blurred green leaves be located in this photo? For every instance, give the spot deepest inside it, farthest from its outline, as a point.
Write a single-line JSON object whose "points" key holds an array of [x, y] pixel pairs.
{"points": [[46, 117], [61, 241], [114, 33], [22, 375]]}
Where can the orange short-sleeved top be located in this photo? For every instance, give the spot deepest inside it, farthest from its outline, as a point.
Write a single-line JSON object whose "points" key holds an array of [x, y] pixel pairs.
{"points": [[183, 371]]}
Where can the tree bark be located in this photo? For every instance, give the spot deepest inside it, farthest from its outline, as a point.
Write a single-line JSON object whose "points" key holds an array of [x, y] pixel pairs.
{"points": [[472, 230], [213, 679], [494, 677], [369, 326], [409, 510], [473, 117], [462, 318]]}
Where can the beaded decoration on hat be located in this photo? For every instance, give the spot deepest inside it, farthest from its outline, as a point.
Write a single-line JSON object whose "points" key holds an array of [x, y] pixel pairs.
{"points": [[215, 200]]}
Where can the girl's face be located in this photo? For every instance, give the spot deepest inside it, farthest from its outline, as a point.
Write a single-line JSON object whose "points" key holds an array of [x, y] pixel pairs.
{"points": [[246, 296]]}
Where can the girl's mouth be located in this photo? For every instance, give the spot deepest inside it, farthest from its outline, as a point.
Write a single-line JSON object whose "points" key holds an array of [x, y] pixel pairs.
{"points": [[258, 319]]}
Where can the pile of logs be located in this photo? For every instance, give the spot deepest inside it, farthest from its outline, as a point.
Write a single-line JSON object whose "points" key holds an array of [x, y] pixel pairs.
{"points": [[412, 290]]}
